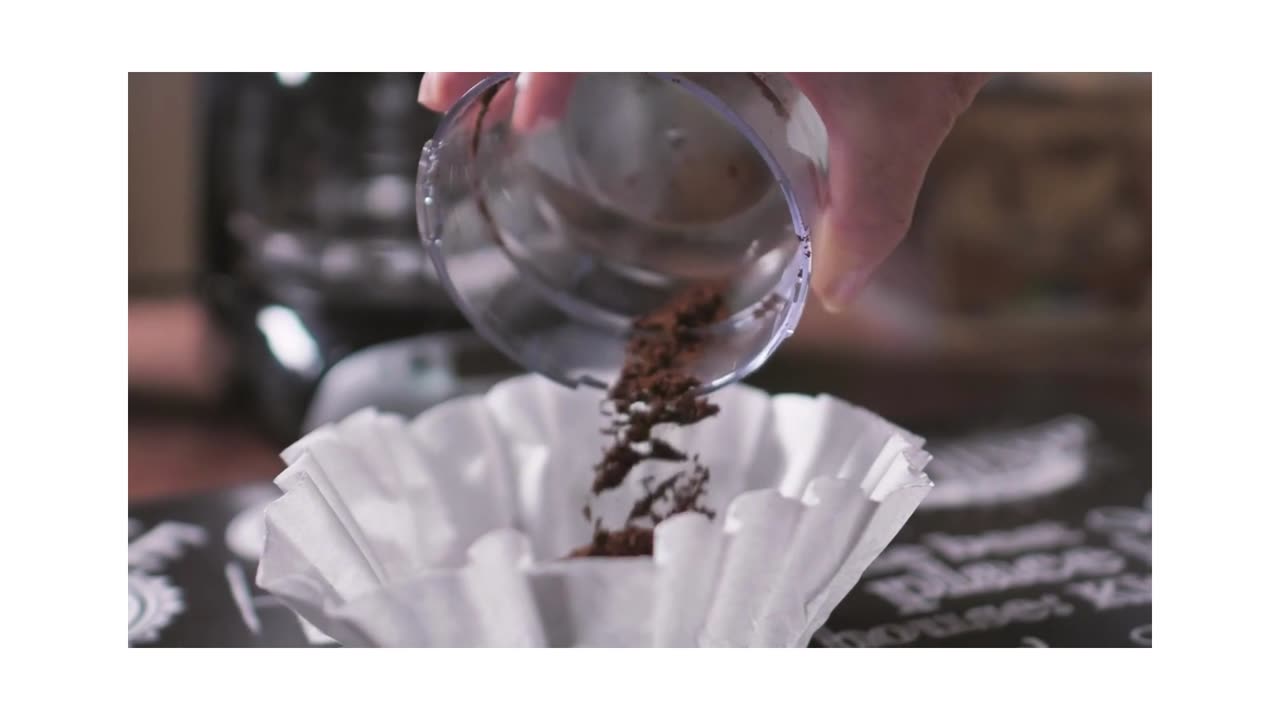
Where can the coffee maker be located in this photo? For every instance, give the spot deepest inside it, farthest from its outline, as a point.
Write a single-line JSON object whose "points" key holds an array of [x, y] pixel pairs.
{"points": [[313, 266]]}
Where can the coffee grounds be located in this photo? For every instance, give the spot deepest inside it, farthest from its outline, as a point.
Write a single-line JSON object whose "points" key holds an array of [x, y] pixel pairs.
{"points": [[655, 388], [627, 542], [683, 492], [767, 306], [769, 95]]}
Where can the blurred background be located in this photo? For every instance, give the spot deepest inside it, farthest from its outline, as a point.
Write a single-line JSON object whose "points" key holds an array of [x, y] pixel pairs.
{"points": [[276, 279]]}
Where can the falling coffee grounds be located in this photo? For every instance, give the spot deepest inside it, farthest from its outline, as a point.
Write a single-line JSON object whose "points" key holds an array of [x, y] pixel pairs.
{"points": [[655, 388], [626, 542]]}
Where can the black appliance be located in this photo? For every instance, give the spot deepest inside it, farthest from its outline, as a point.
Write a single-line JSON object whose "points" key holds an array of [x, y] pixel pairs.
{"points": [[311, 247]]}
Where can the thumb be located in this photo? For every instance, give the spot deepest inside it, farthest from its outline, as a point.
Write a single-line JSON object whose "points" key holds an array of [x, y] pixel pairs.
{"points": [[883, 131]]}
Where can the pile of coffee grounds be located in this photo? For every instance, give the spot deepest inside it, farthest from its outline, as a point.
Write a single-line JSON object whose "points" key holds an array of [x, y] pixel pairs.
{"points": [[655, 388], [627, 542]]}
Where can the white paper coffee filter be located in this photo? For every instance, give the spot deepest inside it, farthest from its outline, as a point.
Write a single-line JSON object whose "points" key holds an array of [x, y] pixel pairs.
{"points": [[452, 529]]}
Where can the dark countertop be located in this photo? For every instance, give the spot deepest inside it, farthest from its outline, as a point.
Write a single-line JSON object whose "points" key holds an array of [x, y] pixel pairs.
{"points": [[1070, 568]]}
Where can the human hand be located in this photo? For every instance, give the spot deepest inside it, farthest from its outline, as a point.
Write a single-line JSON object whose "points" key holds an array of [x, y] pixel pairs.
{"points": [[883, 130]]}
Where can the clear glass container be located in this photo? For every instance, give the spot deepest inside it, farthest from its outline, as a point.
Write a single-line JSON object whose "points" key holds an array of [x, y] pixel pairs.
{"points": [[553, 242]]}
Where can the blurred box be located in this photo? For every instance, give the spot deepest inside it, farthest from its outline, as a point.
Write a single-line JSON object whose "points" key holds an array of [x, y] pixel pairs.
{"points": [[1031, 245]]}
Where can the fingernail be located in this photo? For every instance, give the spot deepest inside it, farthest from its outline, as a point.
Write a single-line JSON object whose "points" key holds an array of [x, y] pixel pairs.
{"points": [[522, 81], [540, 123], [427, 90], [842, 295]]}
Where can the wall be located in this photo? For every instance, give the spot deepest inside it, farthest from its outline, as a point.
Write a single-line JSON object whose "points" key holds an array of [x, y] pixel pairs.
{"points": [[163, 196]]}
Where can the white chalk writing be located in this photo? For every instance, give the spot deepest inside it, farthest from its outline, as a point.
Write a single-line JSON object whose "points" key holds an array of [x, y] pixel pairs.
{"points": [[916, 579], [1133, 544], [897, 559], [163, 544], [1114, 592], [950, 624], [930, 580], [1141, 635], [1037, 536], [243, 597], [1112, 519]]}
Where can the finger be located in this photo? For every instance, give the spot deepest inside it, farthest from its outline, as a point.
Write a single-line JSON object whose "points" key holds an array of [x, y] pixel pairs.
{"points": [[873, 191], [440, 90], [500, 104], [883, 132], [543, 99]]}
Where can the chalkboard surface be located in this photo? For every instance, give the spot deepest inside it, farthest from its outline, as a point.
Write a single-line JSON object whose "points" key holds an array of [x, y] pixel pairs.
{"points": [[1068, 566]]}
